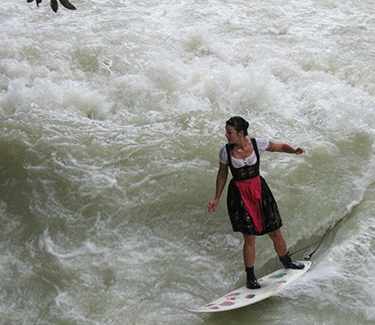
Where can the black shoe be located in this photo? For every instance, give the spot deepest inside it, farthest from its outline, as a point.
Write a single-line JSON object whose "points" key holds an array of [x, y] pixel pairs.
{"points": [[289, 264], [251, 280], [252, 284]]}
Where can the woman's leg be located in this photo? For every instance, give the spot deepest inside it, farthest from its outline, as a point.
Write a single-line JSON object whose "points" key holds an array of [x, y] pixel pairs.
{"points": [[279, 242], [282, 251], [249, 250], [249, 260]]}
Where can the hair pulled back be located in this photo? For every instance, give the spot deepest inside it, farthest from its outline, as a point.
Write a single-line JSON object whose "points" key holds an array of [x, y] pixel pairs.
{"points": [[238, 123]]}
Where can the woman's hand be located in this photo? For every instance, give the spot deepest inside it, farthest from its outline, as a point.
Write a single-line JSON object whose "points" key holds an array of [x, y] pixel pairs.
{"points": [[212, 205], [299, 151]]}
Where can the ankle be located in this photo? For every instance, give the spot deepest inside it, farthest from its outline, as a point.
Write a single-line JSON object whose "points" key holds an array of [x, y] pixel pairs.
{"points": [[287, 262], [251, 280], [250, 272], [285, 259]]}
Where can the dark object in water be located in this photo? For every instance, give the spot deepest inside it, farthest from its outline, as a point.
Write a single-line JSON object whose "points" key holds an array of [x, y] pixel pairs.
{"points": [[55, 4]]}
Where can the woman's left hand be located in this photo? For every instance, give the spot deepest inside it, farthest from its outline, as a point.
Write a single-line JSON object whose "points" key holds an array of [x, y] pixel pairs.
{"points": [[299, 151]]}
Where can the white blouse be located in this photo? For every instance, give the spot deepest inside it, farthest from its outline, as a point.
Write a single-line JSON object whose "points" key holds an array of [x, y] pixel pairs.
{"points": [[262, 144]]}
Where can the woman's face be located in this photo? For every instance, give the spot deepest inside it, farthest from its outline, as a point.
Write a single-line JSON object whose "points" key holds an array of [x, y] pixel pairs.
{"points": [[232, 135]]}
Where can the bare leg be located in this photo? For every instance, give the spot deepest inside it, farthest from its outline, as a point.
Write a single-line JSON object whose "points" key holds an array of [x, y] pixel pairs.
{"points": [[249, 260], [249, 250], [282, 250], [279, 242]]}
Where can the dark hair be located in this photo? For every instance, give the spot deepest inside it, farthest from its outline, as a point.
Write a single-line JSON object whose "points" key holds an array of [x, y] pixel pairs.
{"points": [[238, 123]]}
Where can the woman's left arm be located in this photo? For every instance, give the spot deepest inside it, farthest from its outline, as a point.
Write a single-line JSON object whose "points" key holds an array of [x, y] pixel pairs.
{"points": [[284, 147]]}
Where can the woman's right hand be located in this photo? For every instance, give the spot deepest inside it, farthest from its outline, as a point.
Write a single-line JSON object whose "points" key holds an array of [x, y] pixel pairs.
{"points": [[212, 205]]}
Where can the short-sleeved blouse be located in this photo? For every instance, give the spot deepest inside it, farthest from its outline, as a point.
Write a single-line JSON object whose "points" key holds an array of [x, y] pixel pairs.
{"points": [[262, 144]]}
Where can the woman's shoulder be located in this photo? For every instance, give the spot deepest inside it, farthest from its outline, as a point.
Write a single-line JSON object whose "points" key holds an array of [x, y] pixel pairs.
{"points": [[262, 143], [223, 154]]}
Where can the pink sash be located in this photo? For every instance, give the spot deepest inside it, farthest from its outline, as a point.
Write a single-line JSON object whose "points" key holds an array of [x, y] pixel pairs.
{"points": [[251, 195]]}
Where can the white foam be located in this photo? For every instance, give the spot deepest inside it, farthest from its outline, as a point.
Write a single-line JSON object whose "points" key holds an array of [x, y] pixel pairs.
{"points": [[48, 245], [120, 109]]}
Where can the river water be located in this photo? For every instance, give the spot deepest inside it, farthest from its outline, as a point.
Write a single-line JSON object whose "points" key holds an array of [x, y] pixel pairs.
{"points": [[111, 119]]}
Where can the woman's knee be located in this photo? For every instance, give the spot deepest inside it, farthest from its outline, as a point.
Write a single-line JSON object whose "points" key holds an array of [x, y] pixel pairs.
{"points": [[276, 235]]}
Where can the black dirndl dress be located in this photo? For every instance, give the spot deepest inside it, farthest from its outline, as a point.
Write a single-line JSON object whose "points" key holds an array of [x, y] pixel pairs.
{"points": [[240, 218]]}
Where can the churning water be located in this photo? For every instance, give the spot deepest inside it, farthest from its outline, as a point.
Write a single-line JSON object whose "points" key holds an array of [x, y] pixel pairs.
{"points": [[111, 118]]}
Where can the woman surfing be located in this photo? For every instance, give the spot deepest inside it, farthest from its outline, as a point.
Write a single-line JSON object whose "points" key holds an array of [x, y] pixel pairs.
{"points": [[251, 206]]}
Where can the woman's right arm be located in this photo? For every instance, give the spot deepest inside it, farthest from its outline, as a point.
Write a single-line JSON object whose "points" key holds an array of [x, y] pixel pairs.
{"points": [[221, 179]]}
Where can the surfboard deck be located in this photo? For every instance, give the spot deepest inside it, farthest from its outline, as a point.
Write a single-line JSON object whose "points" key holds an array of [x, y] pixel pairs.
{"points": [[271, 285]]}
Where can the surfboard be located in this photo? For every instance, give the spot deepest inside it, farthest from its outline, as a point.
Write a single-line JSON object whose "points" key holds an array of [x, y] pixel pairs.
{"points": [[271, 285]]}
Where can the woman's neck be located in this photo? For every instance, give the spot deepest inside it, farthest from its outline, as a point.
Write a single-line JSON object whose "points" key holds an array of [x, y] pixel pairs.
{"points": [[242, 143]]}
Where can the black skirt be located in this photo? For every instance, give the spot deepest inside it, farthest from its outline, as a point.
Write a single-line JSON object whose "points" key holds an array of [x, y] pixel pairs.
{"points": [[240, 218]]}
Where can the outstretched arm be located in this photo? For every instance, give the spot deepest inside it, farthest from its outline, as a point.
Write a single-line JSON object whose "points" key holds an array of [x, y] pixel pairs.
{"points": [[221, 179], [284, 147]]}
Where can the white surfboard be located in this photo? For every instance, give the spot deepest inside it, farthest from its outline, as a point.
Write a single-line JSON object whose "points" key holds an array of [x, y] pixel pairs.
{"points": [[271, 285]]}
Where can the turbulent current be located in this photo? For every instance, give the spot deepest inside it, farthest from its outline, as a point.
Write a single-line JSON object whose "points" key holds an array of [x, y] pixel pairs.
{"points": [[111, 120]]}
